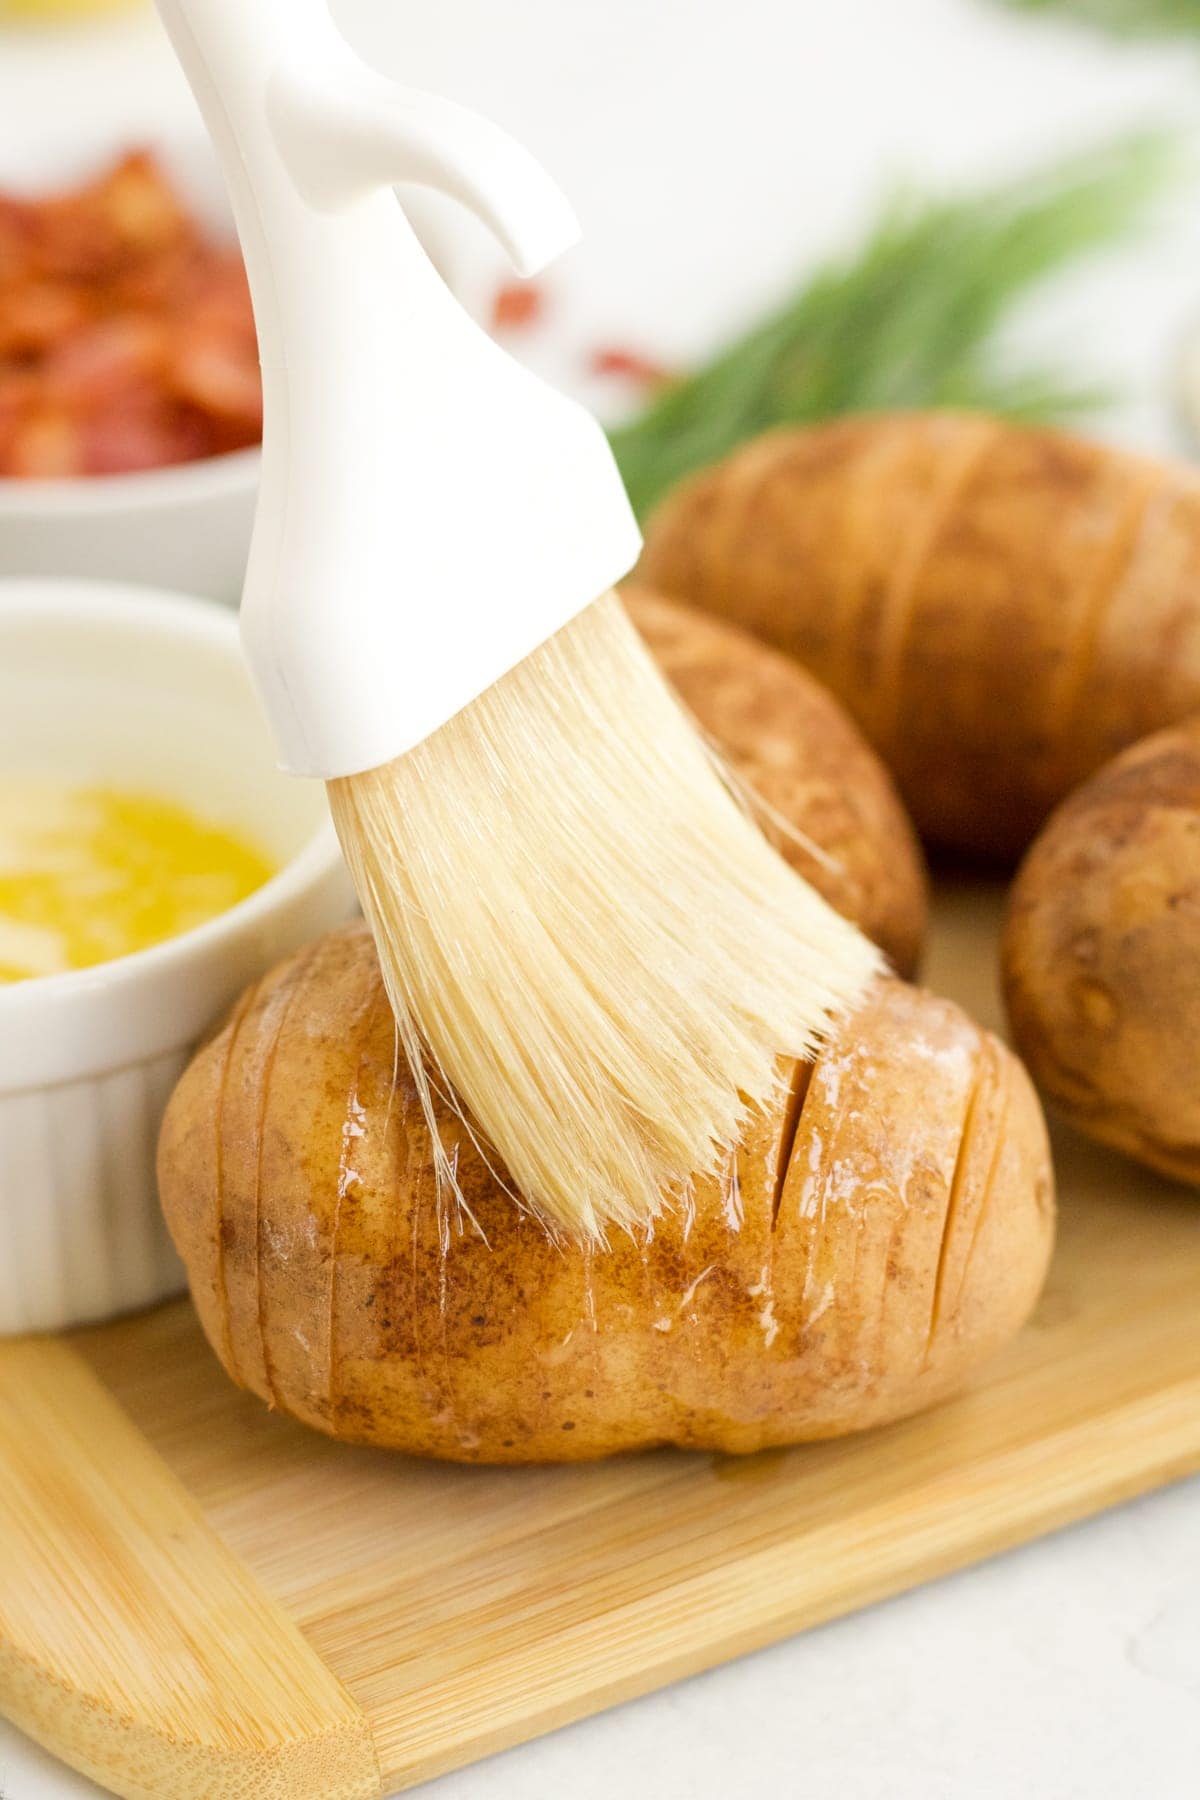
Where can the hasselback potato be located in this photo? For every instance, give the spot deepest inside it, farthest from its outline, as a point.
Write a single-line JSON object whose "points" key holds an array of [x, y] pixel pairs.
{"points": [[885, 1227], [1000, 607]]}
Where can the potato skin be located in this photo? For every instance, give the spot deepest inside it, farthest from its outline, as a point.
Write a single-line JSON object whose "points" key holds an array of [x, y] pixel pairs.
{"points": [[798, 751], [886, 1226], [1101, 954], [1000, 608]]}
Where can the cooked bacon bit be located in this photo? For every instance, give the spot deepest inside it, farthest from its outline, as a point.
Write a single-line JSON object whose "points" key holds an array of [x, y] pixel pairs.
{"points": [[125, 436], [14, 238], [516, 305], [213, 375], [46, 446], [106, 360], [36, 316], [630, 365], [140, 207], [126, 334]]}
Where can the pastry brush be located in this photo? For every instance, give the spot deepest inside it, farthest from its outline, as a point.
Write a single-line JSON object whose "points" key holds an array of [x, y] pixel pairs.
{"points": [[583, 936]]}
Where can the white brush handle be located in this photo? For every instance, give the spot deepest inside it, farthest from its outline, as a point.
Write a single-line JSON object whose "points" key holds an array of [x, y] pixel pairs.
{"points": [[429, 511]]}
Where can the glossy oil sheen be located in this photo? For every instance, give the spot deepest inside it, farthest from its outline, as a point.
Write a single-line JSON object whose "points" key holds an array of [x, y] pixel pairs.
{"points": [[90, 874]]}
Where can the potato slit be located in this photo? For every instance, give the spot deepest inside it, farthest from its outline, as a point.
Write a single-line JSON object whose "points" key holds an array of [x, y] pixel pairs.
{"points": [[299, 976], [760, 468], [415, 1173], [695, 546], [900, 604], [799, 1083], [240, 1012], [369, 1014], [851, 665], [966, 1144], [343, 1175], [1114, 562], [886, 1288], [1004, 1092]]}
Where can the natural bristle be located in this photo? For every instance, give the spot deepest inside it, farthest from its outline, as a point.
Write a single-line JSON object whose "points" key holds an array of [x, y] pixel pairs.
{"points": [[584, 936]]}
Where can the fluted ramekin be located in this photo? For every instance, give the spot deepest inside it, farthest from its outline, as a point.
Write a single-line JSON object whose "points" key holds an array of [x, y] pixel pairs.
{"points": [[146, 689]]}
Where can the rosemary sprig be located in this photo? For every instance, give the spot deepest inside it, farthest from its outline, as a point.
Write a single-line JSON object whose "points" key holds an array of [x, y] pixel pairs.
{"points": [[1129, 18], [909, 321]]}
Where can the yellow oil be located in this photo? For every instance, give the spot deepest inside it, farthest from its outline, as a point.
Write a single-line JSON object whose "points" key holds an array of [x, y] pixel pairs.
{"points": [[92, 873], [40, 11]]}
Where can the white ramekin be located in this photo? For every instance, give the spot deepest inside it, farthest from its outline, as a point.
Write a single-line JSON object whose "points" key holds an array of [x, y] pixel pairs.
{"points": [[146, 689], [189, 524]]}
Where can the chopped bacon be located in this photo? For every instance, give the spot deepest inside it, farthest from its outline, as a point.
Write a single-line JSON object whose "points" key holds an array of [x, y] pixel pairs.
{"points": [[46, 446], [214, 376], [126, 332], [106, 359], [38, 315], [516, 305], [124, 435], [630, 365], [140, 207]]}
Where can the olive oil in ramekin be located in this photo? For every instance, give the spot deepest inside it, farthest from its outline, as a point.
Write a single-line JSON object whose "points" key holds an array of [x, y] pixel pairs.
{"points": [[88, 874]]}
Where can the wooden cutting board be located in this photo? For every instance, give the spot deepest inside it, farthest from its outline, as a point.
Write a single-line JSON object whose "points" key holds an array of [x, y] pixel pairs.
{"points": [[204, 1599]]}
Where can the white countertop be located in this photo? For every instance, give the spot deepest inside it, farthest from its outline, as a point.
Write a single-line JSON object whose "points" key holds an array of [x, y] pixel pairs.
{"points": [[714, 147]]}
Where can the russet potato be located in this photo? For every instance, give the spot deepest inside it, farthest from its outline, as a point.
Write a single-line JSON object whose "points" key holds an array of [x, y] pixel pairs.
{"points": [[1102, 954], [1000, 607], [885, 1227], [829, 805]]}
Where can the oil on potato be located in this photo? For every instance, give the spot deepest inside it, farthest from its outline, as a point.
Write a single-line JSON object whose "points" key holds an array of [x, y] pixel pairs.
{"points": [[1102, 954], [885, 1227]]}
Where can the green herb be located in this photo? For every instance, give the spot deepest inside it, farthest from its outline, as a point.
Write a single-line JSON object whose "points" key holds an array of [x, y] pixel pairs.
{"points": [[1131, 18], [909, 321]]}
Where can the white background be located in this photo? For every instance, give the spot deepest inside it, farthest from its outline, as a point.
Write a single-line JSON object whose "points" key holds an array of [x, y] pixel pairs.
{"points": [[714, 149]]}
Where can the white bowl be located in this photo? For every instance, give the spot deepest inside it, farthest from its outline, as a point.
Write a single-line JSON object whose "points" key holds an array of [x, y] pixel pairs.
{"points": [[186, 526], [144, 689]]}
